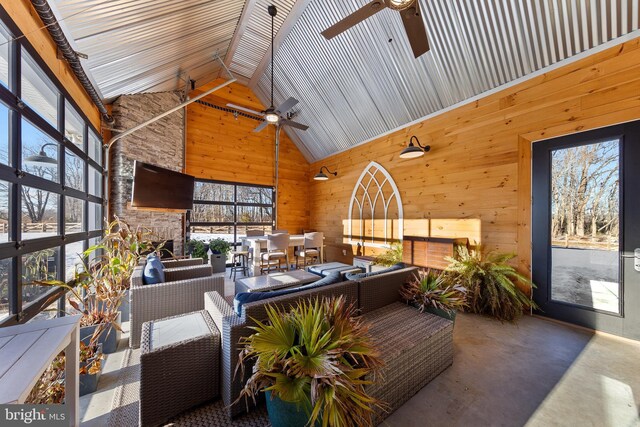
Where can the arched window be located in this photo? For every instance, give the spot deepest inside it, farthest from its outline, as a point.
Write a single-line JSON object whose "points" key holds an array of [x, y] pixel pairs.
{"points": [[375, 209]]}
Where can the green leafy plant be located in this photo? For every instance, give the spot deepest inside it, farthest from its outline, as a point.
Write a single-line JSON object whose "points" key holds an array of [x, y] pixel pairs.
{"points": [[491, 283], [198, 249], [391, 256], [98, 286], [431, 289], [219, 246], [317, 355]]}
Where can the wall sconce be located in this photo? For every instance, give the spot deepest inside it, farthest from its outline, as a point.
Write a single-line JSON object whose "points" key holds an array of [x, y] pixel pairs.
{"points": [[321, 176], [412, 152], [42, 159]]}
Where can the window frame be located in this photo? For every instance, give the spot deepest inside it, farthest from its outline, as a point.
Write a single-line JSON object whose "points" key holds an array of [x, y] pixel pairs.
{"points": [[235, 223], [16, 247]]}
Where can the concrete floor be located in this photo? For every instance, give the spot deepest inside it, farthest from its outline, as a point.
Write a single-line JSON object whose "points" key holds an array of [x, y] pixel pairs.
{"points": [[535, 373]]}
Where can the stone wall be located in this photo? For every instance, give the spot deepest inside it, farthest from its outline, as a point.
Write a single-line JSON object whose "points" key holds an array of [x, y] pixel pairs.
{"points": [[161, 143]]}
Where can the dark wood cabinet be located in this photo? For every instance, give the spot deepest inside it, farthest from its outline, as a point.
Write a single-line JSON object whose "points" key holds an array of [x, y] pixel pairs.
{"points": [[429, 252]]}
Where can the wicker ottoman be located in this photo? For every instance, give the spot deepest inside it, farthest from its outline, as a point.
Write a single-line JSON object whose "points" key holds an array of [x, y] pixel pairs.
{"points": [[179, 365]]}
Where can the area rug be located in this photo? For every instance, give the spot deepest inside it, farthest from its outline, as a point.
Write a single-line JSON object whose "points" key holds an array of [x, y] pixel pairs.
{"points": [[124, 410]]}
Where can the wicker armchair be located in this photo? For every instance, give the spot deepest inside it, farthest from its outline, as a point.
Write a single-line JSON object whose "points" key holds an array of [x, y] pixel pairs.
{"points": [[185, 262], [182, 292]]}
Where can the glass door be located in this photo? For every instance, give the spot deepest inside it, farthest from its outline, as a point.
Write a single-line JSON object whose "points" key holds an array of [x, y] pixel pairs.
{"points": [[585, 228]]}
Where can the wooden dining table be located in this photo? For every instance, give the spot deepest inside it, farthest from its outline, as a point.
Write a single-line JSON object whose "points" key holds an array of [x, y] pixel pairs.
{"points": [[257, 243]]}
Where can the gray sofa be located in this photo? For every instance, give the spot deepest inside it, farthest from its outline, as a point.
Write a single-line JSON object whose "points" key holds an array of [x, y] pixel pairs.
{"points": [[182, 292], [415, 346]]}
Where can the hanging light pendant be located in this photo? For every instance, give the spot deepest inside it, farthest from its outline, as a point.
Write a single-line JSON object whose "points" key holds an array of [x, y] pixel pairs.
{"points": [[270, 113]]}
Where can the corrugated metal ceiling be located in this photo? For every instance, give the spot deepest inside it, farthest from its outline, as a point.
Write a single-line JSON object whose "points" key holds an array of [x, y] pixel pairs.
{"points": [[359, 84], [148, 45]]}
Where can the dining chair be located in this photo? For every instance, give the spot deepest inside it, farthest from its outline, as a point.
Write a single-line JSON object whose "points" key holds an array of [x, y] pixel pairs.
{"points": [[311, 248], [252, 233], [277, 251]]}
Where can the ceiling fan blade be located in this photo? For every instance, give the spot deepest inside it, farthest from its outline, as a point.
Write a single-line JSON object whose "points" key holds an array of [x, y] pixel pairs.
{"points": [[246, 110], [261, 126], [294, 124], [415, 29], [355, 18], [286, 105]]}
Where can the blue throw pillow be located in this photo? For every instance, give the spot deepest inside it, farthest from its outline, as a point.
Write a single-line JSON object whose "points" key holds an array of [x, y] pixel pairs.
{"points": [[358, 276], [245, 297], [153, 271]]}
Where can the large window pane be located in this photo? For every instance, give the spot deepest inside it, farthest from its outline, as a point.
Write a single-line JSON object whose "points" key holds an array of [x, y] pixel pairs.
{"points": [[73, 171], [4, 57], [95, 182], [95, 148], [39, 213], [4, 134], [4, 211], [257, 195], [73, 259], [95, 216], [254, 214], [5, 275], [41, 265], [39, 152], [211, 213], [37, 91], [73, 126], [213, 192], [585, 225], [212, 232], [73, 215]]}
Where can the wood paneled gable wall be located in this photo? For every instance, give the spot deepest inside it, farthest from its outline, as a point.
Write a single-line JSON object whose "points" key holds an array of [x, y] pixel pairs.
{"points": [[476, 180], [221, 146]]}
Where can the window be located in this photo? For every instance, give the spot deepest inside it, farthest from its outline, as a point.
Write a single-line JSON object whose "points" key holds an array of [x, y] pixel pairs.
{"points": [[51, 187], [37, 91], [4, 57], [228, 210]]}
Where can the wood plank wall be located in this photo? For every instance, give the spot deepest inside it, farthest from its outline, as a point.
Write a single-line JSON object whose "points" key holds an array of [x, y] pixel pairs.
{"points": [[222, 147], [27, 19], [479, 166]]}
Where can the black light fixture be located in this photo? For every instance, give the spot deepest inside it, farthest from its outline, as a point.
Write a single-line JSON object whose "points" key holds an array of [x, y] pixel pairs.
{"points": [[41, 159], [412, 152], [270, 114], [321, 176]]}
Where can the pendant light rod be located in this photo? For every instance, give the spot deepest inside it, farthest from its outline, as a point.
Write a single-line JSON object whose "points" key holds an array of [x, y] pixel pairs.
{"points": [[273, 12]]}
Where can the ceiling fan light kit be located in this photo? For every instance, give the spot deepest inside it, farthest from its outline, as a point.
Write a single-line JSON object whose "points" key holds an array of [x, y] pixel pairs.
{"points": [[272, 115]]}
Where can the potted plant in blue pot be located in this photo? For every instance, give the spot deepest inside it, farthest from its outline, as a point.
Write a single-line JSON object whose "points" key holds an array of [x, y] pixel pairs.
{"points": [[313, 363], [434, 293], [219, 249]]}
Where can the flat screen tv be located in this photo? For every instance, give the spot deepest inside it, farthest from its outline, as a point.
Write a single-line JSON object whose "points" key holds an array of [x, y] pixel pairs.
{"points": [[156, 188]]}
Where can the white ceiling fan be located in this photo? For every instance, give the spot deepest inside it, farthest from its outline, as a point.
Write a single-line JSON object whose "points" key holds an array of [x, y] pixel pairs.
{"points": [[273, 115]]}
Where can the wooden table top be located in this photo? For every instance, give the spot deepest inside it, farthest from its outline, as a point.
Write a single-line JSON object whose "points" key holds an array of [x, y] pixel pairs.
{"points": [[26, 351]]}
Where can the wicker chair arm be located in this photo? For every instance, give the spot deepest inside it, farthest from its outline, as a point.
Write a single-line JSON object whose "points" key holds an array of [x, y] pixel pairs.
{"points": [[184, 273], [187, 262]]}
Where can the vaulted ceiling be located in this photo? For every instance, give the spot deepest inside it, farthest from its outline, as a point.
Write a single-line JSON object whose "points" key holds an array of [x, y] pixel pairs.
{"points": [[359, 85]]}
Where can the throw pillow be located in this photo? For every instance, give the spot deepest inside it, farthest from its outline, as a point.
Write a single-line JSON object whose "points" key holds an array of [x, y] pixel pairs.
{"points": [[358, 276], [245, 297], [153, 271]]}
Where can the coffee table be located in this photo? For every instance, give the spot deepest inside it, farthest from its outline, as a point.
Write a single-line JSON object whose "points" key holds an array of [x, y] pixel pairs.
{"points": [[270, 282]]}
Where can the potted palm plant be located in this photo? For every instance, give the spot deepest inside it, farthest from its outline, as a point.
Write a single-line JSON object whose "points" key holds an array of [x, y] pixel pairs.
{"points": [[432, 292], [491, 283], [219, 249], [312, 363]]}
